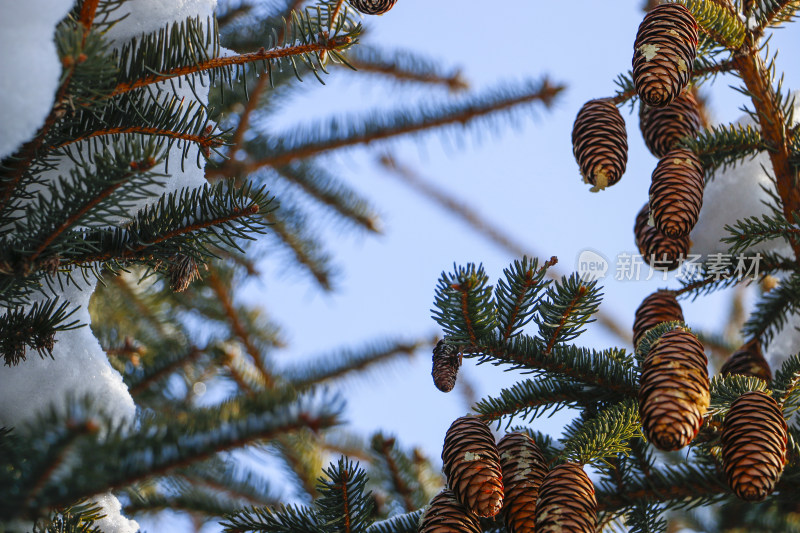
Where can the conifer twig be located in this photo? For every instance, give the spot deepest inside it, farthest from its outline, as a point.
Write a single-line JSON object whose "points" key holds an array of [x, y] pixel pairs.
{"points": [[236, 324], [263, 54], [193, 353], [205, 141]]}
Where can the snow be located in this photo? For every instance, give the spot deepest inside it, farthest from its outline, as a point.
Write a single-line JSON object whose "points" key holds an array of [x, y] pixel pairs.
{"points": [[732, 194], [79, 365], [30, 67]]}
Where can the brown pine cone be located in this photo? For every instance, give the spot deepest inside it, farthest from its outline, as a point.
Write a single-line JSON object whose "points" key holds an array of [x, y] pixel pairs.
{"points": [[676, 193], [748, 361], [663, 127], [663, 54], [524, 468], [600, 143], [373, 7], [446, 361], [661, 306], [754, 437], [658, 250], [673, 390], [472, 466], [566, 501], [446, 515]]}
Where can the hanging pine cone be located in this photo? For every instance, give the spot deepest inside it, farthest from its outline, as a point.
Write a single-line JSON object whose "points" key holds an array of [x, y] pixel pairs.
{"points": [[754, 437], [566, 501], [524, 468], [663, 54], [661, 306], [446, 360], [373, 7], [446, 515], [673, 390], [748, 361], [658, 250], [600, 143], [663, 127], [472, 466], [676, 193]]}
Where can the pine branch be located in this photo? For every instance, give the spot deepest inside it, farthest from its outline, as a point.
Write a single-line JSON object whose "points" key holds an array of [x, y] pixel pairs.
{"points": [[289, 227], [464, 305], [773, 310], [517, 294], [606, 434], [772, 13], [724, 146], [238, 328], [566, 307], [405, 66], [318, 138], [404, 523], [339, 364], [164, 366], [397, 470], [531, 399], [34, 328], [344, 506], [282, 519], [750, 231], [786, 386], [719, 22]]}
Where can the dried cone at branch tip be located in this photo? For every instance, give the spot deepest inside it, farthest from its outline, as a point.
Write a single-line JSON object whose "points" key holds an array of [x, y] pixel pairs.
{"points": [[748, 361], [566, 501], [373, 7], [664, 53], [446, 361], [658, 250], [663, 127], [445, 514], [524, 468], [754, 437], [676, 193], [661, 306], [673, 390], [600, 143], [471, 464]]}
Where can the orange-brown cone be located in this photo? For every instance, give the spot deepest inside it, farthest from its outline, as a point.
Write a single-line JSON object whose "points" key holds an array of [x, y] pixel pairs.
{"points": [[524, 468], [600, 143], [663, 127], [471, 464], [748, 361], [445, 514], [566, 501], [674, 390], [676, 193], [658, 250], [754, 437], [661, 306]]}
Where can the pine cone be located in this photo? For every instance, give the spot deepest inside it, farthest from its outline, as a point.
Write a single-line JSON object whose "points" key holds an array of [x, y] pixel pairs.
{"points": [[600, 143], [754, 437], [673, 390], [663, 127], [661, 306], [472, 466], [676, 193], [524, 469], [748, 361], [663, 54], [446, 515], [657, 249], [566, 501], [373, 7], [446, 360]]}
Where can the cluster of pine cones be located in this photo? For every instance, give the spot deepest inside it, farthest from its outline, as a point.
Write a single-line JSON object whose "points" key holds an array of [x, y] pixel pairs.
{"points": [[485, 479], [664, 52], [674, 397]]}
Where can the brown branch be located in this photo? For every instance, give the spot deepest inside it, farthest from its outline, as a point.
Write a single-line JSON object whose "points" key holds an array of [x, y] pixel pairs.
{"points": [[398, 482], [279, 229], [465, 311], [487, 229], [545, 95], [772, 121], [192, 354], [455, 82], [204, 140], [564, 317], [239, 330], [88, 9], [221, 62], [131, 252], [611, 501]]}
